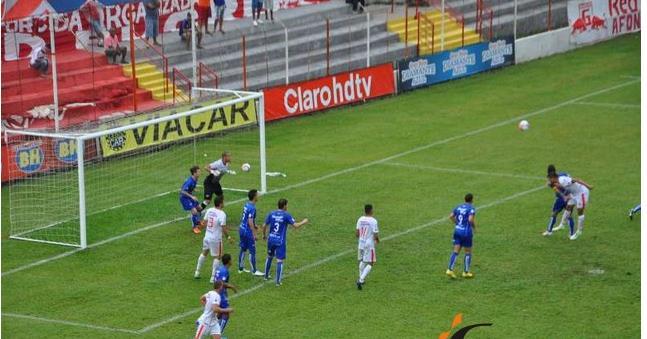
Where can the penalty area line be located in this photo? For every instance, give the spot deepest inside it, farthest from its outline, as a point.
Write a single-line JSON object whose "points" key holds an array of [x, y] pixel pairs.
{"points": [[69, 323], [338, 255], [464, 171]]}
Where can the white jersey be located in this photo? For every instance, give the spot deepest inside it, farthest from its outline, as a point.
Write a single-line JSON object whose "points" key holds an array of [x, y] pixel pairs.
{"points": [[218, 168], [209, 316], [215, 220], [367, 227], [572, 187]]}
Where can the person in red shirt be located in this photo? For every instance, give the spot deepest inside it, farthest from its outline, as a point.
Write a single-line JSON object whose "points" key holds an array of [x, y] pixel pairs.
{"points": [[113, 48], [90, 10], [204, 12]]}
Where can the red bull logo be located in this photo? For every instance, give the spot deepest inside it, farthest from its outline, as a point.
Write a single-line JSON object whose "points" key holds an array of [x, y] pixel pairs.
{"points": [[586, 21]]}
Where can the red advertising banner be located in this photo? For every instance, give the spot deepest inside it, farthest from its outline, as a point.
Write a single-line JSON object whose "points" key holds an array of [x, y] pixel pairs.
{"points": [[595, 20], [328, 92]]}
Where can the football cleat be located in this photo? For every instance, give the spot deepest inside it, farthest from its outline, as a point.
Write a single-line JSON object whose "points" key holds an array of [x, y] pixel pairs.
{"points": [[559, 227], [468, 275], [243, 270], [547, 233], [359, 285], [196, 230], [451, 274], [196, 275], [258, 274], [576, 235]]}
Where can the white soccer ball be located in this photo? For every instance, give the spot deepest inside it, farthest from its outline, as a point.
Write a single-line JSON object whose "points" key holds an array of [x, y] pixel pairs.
{"points": [[523, 125], [245, 167]]}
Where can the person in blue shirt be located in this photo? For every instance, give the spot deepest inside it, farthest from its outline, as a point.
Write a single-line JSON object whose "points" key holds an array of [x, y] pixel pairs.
{"points": [[185, 32], [247, 232], [633, 211], [189, 201], [278, 222], [558, 206], [222, 274], [463, 217]]}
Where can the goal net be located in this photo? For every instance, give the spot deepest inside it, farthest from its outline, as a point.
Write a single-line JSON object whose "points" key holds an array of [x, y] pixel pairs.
{"points": [[110, 177]]}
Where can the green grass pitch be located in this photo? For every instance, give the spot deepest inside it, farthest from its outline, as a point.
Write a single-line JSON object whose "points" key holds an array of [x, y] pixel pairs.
{"points": [[413, 156]]}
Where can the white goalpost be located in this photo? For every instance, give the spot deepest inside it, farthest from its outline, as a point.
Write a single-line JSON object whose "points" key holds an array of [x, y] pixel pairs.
{"points": [[114, 176]]}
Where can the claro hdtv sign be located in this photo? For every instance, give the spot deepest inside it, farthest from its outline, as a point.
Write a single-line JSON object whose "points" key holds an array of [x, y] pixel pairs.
{"points": [[332, 91]]}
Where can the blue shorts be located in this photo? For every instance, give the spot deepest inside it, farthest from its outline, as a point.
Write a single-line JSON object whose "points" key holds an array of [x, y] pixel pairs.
{"points": [[224, 302], [188, 204], [247, 242], [152, 27], [464, 240], [559, 204], [257, 4], [276, 250]]}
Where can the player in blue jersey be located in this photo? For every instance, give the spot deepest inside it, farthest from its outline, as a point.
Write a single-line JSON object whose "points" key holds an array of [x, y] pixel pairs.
{"points": [[222, 274], [558, 206], [463, 217], [278, 222], [633, 211], [247, 232], [189, 201]]}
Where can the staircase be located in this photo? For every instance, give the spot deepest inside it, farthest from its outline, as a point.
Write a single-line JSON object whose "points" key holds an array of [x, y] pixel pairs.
{"points": [[431, 37], [152, 79]]}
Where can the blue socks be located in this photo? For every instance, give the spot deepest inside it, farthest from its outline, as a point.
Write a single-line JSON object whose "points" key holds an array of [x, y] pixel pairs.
{"points": [[252, 259], [551, 223], [571, 225], [223, 323], [636, 209], [241, 260], [279, 272], [452, 261], [268, 265], [468, 262], [195, 219]]}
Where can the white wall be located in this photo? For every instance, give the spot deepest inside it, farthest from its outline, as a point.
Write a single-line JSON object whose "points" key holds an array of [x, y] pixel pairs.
{"points": [[543, 44]]}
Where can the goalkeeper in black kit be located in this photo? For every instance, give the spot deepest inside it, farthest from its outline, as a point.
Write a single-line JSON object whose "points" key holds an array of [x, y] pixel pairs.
{"points": [[217, 170]]}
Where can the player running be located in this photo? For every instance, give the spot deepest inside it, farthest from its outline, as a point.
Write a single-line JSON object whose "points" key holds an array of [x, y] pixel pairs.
{"points": [[463, 217], [207, 324], [247, 232], [189, 201], [558, 206], [278, 221], [367, 233], [222, 274], [217, 170], [216, 225], [577, 196], [634, 211]]}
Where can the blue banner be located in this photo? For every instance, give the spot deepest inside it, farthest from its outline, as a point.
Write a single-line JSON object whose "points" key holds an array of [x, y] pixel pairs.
{"points": [[461, 62]]}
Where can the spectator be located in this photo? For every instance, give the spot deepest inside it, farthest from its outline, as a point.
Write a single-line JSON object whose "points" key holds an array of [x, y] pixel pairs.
{"points": [[113, 48], [90, 10], [355, 7], [269, 7], [152, 19], [39, 61], [220, 15], [185, 32], [257, 5], [204, 13]]}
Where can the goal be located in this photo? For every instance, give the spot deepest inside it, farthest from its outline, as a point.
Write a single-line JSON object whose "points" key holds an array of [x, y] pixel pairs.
{"points": [[114, 176]]}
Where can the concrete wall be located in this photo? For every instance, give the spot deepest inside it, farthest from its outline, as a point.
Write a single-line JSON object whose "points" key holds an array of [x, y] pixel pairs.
{"points": [[543, 44]]}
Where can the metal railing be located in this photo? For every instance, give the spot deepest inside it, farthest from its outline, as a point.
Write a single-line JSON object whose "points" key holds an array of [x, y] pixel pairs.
{"points": [[205, 71], [181, 81]]}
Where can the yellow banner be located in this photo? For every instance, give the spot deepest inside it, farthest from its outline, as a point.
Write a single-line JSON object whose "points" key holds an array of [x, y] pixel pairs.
{"points": [[218, 119]]}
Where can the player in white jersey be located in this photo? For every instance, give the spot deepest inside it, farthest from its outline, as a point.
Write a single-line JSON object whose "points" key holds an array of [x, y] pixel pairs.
{"points": [[576, 196], [367, 233], [215, 221], [208, 324]]}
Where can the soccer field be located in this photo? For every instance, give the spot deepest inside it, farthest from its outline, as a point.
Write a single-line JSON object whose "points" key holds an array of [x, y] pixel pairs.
{"points": [[413, 157]]}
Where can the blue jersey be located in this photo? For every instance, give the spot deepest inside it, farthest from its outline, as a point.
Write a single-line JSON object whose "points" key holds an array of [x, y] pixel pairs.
{"points": [[222, 274], [462, 215], [188, 186], [278, 222], [249, 211]]}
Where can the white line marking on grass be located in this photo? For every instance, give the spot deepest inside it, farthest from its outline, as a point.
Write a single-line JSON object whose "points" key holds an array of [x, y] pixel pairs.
{"points": [[335, 256], [464, 171], [352, 169], [70, 323], [637, 77], [606, 104]]}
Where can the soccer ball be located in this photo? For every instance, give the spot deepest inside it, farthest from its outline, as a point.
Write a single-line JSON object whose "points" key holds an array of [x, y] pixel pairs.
{"points": [[523, 125], [245, 167]]}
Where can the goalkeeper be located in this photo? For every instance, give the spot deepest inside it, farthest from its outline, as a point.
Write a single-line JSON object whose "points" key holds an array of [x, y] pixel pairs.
{"points": [[217, 170]]}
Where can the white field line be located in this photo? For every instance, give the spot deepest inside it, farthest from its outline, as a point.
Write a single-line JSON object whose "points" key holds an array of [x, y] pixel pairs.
{"points": [[69, 323], [464, 171], [637, 77], [351, 169], [606, 104], [335, 256]]}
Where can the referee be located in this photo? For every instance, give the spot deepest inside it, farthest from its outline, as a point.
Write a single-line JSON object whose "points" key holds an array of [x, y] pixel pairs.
{"points": [[217, 170]]}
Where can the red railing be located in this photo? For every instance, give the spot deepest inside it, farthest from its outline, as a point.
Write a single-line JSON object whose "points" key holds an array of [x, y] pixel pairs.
{"points": [[205, 71], [428, 23], [181, 81], [156, 52], [448, 9], [480, 8]]}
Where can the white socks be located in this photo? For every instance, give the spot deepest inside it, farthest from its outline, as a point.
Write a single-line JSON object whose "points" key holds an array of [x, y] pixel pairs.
{"points": [[580, 223], [361, 267], [201, 260], [365, 272], [216, 263]]}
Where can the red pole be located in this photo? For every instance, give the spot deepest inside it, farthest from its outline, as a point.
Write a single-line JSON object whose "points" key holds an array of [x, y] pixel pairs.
{"points": [[174, 87], [244, 65], [433, 37], [550, 2], [418, 38], [490, 24], [327, 47], [392, 4], [166, 73], [133, 69], [406, 29], [417, 2], [462, 31]]}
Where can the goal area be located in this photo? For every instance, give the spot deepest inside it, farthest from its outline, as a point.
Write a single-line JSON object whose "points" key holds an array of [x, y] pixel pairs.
{"points": [[80, 185]]}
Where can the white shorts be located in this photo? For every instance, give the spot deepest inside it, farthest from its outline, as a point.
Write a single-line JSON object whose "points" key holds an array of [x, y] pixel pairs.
{"points": [[580, 200], [213, 245], [366, 254], [208, 331]]}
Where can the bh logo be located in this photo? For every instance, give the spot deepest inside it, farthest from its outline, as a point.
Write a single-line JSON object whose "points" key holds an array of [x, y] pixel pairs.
{"points": [[65, 150], [29, 158], [462, 332]]}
